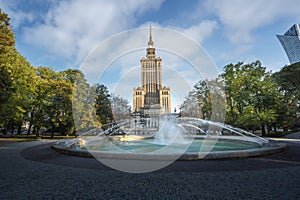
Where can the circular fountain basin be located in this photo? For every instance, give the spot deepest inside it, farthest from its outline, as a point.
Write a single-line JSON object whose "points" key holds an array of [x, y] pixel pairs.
{"points": [[140, 148]]}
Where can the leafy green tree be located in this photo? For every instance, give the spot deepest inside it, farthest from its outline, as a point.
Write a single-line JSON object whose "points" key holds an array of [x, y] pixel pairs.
{"points": [[71, 76], [21, 76], [44, 98], [203, 95], [7, 42], [190, 106], [83, 104], [52, 107], [288, 80], [6, 88], [16, 79], [249, 118], [7, 39], [206, 100], [252, 96], [45, 90], [60, 106], [103, 104]]}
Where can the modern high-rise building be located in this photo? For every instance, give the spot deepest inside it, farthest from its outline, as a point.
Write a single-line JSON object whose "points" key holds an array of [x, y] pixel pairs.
{"points": [[151, 97], [291, 43]]}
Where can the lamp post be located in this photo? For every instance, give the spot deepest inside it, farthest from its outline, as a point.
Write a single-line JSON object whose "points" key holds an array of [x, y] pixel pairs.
{"points": [[135, 126], [180, 111]]}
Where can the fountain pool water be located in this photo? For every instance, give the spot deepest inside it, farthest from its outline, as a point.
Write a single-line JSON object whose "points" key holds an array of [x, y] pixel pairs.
{"points": [[134, 145], [177, 138]]}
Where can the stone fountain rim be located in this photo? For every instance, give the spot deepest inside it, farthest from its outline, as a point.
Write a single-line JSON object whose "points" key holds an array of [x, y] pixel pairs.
{"points": [[264, 150]]}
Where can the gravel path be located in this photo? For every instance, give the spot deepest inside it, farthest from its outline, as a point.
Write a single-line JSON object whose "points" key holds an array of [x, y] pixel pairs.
{"points": [[47, 179]]}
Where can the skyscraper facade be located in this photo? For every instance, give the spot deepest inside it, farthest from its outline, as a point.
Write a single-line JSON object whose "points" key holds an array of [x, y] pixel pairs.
{"points": [[151, 93], [291, 43]]}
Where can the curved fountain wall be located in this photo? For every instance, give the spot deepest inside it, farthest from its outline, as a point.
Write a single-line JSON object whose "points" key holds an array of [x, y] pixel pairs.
{"points": [[172, 133]]}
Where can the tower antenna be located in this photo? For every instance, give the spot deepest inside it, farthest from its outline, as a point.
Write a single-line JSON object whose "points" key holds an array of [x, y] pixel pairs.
{"points": [[150, 39], [150, 43]]}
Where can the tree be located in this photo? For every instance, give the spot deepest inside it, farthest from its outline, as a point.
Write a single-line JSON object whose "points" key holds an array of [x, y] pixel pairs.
{"points": [[7, 39], [7, 42], [206, 100], [16, 79], [203, 95], [103, 104], [6, 88], [83, 104], [44, 98], [45, 90], [52, 107], [21, 83], [288, 81], [120, 108], [71, 76], [197, 103], [252, 96]]}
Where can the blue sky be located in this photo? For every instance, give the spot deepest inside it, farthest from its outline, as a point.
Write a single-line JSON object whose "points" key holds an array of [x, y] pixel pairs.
{"points": [[60, 33]]}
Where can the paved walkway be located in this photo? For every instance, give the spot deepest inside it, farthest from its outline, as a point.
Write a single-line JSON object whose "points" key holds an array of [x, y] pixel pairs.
{"points": [[293, 135], [30, 170]]}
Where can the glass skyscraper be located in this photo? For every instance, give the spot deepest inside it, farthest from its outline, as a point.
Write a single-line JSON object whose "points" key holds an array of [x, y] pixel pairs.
{"points": [[291, 43]]}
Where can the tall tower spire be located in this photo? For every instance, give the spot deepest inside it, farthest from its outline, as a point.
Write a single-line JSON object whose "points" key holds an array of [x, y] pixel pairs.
{"points": [[150, 38], [151, 98], [150, 42]]}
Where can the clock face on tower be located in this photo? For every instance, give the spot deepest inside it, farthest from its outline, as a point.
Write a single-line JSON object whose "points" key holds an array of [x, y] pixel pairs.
{"points": [[150, 51]]}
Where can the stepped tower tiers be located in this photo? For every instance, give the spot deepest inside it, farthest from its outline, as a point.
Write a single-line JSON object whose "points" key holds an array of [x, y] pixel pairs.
{"points": [[151, 97]]}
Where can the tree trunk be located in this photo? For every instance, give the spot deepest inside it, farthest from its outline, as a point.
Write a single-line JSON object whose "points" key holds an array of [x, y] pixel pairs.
{"points": [[29, 128], [30, 123], [37, 134], [19, 128], [263, 130], [12, 128], [269, 129]]}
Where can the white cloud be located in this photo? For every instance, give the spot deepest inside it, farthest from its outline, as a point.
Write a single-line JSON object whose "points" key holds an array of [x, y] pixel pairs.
{"points": [[118, 58], [242, 17], [135, 41], [200, 31], [17, 17], [72, 28]]}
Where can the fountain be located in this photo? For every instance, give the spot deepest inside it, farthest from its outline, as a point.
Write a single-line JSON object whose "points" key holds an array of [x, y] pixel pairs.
{"points": [[170, 131], [184, 138], [145, 140]]}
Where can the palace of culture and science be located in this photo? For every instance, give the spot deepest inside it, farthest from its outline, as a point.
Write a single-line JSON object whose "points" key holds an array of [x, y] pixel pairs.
{"points": [[151, 98]]}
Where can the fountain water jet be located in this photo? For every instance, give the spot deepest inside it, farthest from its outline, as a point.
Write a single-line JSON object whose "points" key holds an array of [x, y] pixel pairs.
{"points": [[170, 131], [188, 138]]}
